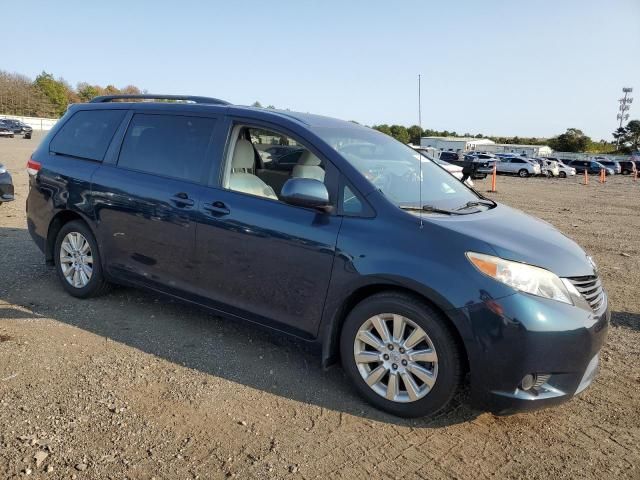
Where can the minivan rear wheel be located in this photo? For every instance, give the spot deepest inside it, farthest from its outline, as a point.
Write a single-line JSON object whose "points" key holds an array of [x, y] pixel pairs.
{"points": [[77, 261], [400, 354]]}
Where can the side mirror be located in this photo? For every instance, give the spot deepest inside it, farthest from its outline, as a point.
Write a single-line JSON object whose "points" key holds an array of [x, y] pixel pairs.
{"points": [[306, 192]]}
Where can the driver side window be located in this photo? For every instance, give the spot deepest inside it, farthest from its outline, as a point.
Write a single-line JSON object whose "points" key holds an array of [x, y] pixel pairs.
{"points": [[261, 161]]}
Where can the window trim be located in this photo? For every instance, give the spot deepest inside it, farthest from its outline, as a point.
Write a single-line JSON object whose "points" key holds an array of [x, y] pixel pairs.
{"points": [[367, 210], [209, 160]]}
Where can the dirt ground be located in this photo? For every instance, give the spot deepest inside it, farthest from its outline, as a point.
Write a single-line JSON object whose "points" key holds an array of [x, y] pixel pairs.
{"points": [[134, 386]]}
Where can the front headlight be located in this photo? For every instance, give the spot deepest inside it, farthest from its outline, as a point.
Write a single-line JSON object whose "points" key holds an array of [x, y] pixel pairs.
{"points": [[522, 277]]}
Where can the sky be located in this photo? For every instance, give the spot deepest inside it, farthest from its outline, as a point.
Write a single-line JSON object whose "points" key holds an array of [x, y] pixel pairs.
{"points": [[526, 68]]}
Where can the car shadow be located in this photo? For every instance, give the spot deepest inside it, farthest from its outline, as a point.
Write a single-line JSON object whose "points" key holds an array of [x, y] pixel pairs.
{"points": [[626, 320], [195, 338]]}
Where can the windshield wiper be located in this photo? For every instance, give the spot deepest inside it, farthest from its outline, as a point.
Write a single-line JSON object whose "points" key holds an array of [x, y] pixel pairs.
{"points": [[477, 203], [430, 209]]}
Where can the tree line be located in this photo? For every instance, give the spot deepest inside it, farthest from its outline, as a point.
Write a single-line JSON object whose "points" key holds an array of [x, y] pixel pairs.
{"points": [[573, 140], [47, 96]]}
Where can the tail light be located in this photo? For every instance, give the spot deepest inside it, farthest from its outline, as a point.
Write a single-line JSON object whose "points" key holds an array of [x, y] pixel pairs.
{"points": [[33, 167]]}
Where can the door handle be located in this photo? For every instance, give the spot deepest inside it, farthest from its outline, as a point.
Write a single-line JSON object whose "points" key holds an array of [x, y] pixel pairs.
{"points": [[217, 209], [182, 200]]}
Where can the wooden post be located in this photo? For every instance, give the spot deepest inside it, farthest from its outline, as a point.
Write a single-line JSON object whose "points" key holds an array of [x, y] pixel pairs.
{"points": [[586, 177]]}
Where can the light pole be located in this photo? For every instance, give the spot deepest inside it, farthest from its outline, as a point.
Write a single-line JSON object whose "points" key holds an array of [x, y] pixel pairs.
{"points": [[625, 103]]}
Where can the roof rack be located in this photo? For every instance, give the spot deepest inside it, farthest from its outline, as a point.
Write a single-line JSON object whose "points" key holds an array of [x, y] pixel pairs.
{"points": [[188, 98]]}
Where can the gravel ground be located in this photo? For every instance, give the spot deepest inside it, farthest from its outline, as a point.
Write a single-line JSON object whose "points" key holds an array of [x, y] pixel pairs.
{"points": [[132, 385]]}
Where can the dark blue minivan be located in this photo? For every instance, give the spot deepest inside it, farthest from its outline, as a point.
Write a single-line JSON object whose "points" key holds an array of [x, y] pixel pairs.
{"points": [[326, 230]]}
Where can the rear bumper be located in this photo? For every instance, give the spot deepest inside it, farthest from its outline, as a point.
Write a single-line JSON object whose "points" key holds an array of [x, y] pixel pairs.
{"points": [[520, 335]]}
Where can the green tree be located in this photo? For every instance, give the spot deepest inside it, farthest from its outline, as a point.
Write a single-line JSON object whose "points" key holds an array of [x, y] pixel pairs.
{"points": [[633, 127], [400, 133], [86, 92], [257, 104], [415, 132], [57, 91], [573, 140], [384, 128]]}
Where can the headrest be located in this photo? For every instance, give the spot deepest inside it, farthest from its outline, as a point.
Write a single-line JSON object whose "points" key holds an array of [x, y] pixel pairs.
{"points": [[243, 155], [309, 159]]}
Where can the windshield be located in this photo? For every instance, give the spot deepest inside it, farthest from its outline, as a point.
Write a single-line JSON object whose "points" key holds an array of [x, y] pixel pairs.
{"points": [[394, 168]]}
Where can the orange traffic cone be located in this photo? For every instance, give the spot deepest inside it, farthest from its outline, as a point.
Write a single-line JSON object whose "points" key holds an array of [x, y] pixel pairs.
{"points": [[493, 179]]}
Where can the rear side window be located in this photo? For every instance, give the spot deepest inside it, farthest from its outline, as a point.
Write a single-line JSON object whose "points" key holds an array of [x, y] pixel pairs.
{"points": [[168, 145], [87, 134]]}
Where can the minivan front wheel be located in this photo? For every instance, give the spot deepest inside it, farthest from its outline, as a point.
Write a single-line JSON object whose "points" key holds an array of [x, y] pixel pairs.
{"points": [[400, 354], [523, 173], [78, 262]]}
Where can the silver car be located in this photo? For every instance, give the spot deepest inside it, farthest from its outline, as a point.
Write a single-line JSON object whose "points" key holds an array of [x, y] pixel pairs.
{"points": [[564, 170], [519, 166]]}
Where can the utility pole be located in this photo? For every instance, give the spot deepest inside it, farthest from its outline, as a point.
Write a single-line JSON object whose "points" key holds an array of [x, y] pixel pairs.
{"points": [[625, 103]]}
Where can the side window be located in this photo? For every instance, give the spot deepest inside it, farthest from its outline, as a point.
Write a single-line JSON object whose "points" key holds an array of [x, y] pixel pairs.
{"points": [[87, 133], [261, 161], [351, 204], [168, 145]]}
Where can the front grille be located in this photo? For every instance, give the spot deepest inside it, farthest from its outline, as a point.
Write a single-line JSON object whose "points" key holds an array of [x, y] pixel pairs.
{"points": [[591, 289]]}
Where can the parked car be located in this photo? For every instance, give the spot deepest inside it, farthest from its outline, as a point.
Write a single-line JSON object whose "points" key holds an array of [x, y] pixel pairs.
{"points": [[481, 167], [413, 281], [6, 185], [450, 157], [564, 171], [551, 167], [544, 169], [590, 166], [627, 167], [5, 130], [519, 166], [611, 164], [454, 170], [18, 127], [482, 164]]}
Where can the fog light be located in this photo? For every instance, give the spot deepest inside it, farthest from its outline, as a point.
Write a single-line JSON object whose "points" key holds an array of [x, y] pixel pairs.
{"points": [[528, 381]]}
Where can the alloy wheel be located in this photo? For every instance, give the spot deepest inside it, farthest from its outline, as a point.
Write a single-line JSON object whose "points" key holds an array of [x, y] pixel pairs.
{"points": [[396, 358], [76, 259]]}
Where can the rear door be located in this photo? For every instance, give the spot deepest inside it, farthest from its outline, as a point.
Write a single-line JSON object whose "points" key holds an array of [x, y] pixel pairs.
{"points": [[145, 198]]}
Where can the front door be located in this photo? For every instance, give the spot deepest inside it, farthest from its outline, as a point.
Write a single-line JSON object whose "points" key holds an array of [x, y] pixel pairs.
{"points": [[259, 257]]}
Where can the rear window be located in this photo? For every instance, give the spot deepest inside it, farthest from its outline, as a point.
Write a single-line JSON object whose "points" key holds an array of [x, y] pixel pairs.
{"points": [[168, 145], [87, 134]]}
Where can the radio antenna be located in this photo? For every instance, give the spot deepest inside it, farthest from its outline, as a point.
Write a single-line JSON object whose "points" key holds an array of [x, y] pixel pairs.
{"points": [[419, 141]]}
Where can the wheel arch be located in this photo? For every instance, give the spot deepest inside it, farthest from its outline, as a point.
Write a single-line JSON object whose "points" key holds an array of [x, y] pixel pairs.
{"points": [[57, 222], [331, 336]]}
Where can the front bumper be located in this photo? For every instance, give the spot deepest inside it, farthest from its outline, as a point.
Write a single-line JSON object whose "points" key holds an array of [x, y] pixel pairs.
{"points": [[520, 335]]}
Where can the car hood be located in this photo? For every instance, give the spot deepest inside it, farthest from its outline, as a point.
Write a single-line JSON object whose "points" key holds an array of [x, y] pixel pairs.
{"points": [[514, 235]]}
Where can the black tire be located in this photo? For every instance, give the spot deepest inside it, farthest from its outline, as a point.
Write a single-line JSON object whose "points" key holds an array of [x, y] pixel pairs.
{"points": [[450, 366], [523, 173], [562, 174], [97, 284], [626, 172]]}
